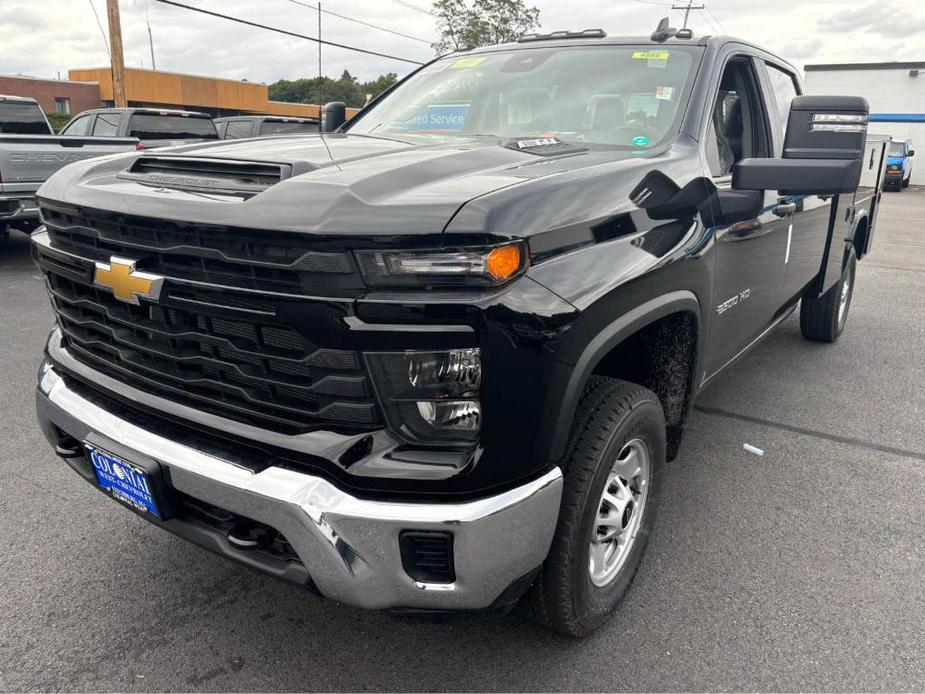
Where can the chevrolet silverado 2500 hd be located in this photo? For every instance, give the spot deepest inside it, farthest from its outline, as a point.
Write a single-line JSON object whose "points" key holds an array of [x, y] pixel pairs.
{"points": [[438, 359], [30, 153]]}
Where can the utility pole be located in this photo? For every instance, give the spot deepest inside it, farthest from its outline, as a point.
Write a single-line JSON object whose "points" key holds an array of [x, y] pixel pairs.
{"points": [[118, 60], [687, 10], [320, 78]]}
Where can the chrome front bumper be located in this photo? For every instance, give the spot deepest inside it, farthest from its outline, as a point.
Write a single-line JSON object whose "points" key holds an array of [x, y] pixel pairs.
{"points": [[349, 546]]}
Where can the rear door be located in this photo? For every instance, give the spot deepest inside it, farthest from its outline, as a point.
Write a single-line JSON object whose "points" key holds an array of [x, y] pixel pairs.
{"points": [[749, 255], [808, 227], [107, 124]]}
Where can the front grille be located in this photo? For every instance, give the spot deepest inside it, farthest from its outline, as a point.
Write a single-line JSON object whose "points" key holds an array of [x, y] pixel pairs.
{"points": [[248, 367], [214, 254]]}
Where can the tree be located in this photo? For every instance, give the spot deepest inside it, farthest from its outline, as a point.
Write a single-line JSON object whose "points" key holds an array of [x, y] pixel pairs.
{"points": [[486, 23], [346, 89]]}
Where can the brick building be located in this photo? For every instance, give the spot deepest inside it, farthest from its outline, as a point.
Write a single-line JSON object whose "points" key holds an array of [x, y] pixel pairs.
{"points": [[63, 96]]}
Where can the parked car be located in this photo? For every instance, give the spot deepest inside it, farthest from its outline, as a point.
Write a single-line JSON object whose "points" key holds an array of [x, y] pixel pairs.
{"points": [[154, 127], [899, 165], [30, 153], [444, 370], [235, 127]]}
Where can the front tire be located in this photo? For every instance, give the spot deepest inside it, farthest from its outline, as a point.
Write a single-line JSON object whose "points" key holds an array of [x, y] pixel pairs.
{"points": [[615, 453], [823, 318]]}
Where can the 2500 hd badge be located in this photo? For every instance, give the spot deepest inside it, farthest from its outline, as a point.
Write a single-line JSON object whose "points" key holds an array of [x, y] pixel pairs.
{"points": [[446, 370]]}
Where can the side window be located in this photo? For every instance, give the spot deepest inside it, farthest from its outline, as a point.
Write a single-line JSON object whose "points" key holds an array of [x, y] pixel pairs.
{"points": [[78, 126], [739, 119], [238, 128], [784, 86], [107, 124]]}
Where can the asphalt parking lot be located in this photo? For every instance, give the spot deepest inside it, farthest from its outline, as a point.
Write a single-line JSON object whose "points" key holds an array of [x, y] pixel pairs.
{"points": [[802, 569]]}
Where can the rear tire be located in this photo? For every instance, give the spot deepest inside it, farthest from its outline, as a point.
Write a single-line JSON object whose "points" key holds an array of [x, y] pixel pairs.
{"points": [[823, 318], [614, 457]]}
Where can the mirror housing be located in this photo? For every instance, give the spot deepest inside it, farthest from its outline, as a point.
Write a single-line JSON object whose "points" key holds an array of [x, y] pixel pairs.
{"points": [[910, 153], [333, 115], [797, 176], [823, 150], [727, 207]]}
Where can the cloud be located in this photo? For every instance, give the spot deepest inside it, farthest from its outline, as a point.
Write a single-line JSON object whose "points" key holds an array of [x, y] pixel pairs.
{"points": [[43, 37]]}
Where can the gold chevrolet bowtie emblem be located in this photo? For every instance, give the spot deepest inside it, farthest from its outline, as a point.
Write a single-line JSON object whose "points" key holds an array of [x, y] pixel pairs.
{"points": [[126, 283]]}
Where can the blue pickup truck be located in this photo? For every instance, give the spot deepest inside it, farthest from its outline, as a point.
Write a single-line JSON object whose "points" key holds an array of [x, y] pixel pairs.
{"points": [[899, 165]]}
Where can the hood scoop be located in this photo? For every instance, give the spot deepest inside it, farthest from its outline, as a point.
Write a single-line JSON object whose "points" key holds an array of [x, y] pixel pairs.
{"points": [[200, 174]]}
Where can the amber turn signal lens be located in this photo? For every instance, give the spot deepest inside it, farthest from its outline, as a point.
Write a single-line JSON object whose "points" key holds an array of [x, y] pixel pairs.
{"points": [[503, 262]]}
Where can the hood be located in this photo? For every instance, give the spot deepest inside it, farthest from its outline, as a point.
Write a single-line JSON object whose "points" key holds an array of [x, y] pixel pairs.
{"points": [[332, 184], [894, 160]]}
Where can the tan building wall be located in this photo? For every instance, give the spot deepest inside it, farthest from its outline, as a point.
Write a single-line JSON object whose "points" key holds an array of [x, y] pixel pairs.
{"points": [[152, 88]]}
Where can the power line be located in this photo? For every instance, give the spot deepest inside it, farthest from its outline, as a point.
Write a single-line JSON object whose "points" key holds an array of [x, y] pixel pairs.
{"points": [[718, 23], [288, 33], [359, 21], [100, 25], [413, 7]]}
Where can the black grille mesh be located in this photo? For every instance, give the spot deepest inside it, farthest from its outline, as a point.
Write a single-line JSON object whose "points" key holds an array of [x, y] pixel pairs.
{"points": [[242, 368]]}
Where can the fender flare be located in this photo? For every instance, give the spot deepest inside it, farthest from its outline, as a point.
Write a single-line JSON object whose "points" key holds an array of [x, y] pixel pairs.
{"points": [[604, 341]]}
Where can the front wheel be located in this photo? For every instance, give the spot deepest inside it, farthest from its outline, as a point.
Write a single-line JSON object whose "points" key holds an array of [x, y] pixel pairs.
{"points": [[823, 318], [615, 453]]}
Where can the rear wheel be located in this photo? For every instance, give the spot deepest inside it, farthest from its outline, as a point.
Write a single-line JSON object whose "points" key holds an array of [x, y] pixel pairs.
{"points": [[615, 454], [823, 318]]}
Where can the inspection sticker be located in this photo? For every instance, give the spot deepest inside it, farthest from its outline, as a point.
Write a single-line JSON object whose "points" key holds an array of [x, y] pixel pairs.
{"points": [[664, 93], [464, 63]]}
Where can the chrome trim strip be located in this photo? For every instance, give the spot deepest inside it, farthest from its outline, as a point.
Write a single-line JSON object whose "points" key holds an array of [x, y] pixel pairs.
{"points": [[349, 545], [359, 325], [41, 238]]}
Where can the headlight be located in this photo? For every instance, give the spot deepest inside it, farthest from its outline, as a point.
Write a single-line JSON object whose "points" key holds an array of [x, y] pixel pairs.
{"points": [[430, 397], [457, 267]]}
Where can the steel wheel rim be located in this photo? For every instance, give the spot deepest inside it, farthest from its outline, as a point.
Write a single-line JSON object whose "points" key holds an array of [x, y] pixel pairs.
{"points": [[619, 513], [843, 301]]}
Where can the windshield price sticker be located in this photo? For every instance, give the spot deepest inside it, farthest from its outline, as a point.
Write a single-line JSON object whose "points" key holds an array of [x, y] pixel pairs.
{"points": [[657, 59], [537, 142]]}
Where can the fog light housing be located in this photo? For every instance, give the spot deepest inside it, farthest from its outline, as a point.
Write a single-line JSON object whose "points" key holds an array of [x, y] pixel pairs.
{"points": [[430, 397]]}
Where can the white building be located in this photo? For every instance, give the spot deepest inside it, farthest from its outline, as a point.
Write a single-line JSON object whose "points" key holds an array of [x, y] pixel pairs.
{"points": [[896, 92]]}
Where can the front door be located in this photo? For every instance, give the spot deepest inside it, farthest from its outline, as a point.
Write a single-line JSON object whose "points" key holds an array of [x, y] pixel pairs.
{"points": [[749, 255]]}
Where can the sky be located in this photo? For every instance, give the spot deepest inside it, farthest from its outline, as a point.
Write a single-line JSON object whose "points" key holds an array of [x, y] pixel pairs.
{"points": [[43, 38]]}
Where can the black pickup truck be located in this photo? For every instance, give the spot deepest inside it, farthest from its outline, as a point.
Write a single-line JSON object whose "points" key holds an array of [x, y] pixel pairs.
{"points": [[438, 358]]}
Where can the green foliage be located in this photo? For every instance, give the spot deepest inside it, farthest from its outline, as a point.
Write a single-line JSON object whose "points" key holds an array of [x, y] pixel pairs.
{"points": [[346, 89], [57, 120], [486, 23]]}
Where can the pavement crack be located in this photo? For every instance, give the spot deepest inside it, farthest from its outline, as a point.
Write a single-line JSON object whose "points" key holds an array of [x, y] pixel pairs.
{"points": [[717, 412]]}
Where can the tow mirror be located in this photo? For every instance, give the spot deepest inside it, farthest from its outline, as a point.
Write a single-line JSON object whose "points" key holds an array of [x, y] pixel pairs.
{"points": [[333, 115], [823, 150]]}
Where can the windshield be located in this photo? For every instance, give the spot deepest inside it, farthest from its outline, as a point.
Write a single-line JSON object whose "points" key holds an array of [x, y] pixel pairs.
{"points": [[614, 95], [897, 149], [22, 118], [274, 127], [149, 126]]}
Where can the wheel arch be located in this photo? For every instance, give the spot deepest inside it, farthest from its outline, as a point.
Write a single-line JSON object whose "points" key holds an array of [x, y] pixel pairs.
{"points": [[607, 342]]}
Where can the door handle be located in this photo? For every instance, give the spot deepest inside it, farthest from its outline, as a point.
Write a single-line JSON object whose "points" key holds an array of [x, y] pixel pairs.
{"points": [[784, 209]]}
